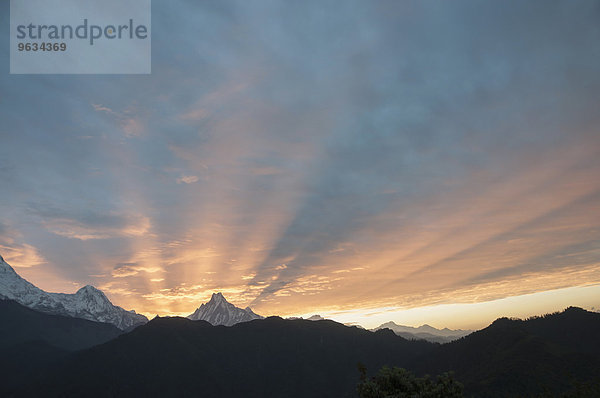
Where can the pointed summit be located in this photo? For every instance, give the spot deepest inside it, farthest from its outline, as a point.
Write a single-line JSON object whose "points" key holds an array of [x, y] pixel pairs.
{"points": [[90, 290], [218, 311], [93, 297], [217, 298], [4, 266]]}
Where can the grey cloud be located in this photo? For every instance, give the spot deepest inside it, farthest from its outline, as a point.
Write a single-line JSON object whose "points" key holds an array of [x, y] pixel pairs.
{"points": [[489, 83], [360, 108]]}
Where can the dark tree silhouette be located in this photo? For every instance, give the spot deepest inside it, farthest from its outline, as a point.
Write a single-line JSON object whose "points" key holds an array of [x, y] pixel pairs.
{"points": [[399, 383]]}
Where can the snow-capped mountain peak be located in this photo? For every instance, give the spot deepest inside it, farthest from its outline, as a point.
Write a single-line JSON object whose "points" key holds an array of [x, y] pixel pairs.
{"points": [[91, 291], [87, 303], [218, 311]]}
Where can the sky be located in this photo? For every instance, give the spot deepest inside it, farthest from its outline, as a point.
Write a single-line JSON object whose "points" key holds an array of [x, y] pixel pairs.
{"points": [[416, 161]]}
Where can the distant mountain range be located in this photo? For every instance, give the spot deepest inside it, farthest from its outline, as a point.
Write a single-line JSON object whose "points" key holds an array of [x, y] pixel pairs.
{"points": [[219, 311], [315, 317], [425, 332], [87, 303]]}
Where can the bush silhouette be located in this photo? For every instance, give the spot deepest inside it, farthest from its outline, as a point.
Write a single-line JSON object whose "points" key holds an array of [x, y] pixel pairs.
{"points": [[399, 383]]}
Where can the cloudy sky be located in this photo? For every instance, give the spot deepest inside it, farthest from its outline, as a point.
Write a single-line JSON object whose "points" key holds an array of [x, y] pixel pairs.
{"points": [[366, 160]]}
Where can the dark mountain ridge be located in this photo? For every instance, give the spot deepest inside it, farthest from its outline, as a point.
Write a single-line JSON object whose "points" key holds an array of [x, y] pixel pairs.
{"points": [[31, 340], [19, 324], [514, 357], [261, 358], [272, 357]]}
